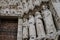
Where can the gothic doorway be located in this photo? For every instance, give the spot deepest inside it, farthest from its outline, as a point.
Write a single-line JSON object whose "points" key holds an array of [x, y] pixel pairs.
{"points": [[8, 29]]}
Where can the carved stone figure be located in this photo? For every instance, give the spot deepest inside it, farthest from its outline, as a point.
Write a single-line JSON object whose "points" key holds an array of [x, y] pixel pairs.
{"points": [[31, 6], [48, 20], [19, 32], [32, 32], [25, 29], [25, 6], [39, 25], [20, 9]]}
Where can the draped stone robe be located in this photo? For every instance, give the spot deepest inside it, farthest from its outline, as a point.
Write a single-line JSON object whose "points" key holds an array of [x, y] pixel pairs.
{"points": [[32, 31], [50, 27], [57, 1], [25, 29], [20, 10], [39, 25]]}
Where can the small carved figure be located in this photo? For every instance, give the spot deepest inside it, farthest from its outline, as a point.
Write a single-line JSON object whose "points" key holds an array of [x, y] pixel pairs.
{"points": [[48, 20], [31, 5], [39, 25], [25, 29], [25, 6], [32, 31]]}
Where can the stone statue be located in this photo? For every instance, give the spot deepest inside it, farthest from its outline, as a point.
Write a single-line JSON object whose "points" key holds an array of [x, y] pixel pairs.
{"points": [[39, 25], [25, 29], [25, 6], [20, 9], [32, 31], [48, 20], [31, 6]]}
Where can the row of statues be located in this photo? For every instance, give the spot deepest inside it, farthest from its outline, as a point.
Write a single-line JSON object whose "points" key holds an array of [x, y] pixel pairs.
{"points": [[39, 27]]}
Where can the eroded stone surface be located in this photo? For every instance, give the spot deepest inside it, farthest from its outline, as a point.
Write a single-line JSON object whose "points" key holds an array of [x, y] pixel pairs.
{"points": [[41, 23]]}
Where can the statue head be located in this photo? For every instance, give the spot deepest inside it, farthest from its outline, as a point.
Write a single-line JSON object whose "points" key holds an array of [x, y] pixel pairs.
{"points": [[30, 16], [44, 7], [24, 19], [37, 13]]}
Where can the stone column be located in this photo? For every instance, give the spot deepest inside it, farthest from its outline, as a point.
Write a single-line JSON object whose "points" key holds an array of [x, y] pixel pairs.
{"points": [[39, 26], [32, 32], [19, 33], [25, 29], [48, 20]]}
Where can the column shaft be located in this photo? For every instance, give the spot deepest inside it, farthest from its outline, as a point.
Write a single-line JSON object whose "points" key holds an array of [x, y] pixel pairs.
{"points": [[19, 33]]}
